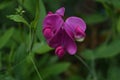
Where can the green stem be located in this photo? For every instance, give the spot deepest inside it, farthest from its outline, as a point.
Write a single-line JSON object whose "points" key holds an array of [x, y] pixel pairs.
{"points": [[29, 51], [32, 37], [81, 60], [93, 69], [36, 69], [84, 63], [32, 34]]}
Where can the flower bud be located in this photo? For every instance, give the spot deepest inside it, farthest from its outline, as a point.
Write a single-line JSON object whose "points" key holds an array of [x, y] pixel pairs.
{"points": [[60, 51], [47, 33]]}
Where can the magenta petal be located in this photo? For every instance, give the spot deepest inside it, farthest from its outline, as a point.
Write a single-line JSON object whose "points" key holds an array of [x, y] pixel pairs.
{"points": [[47, 32], [79, 34], [49, 13], [60, 11], [56, 40], [74, 22], [69, 44], [53, 21], [60, 51]]}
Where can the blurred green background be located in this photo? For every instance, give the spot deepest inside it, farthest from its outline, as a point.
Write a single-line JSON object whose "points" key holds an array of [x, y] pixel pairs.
{"points": [[24, 54]]}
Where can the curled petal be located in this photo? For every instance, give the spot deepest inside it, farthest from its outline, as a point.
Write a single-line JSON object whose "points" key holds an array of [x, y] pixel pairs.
{"points": [[47, 32], [53, 21], [79, 34], [60, 51], [60, 11]]}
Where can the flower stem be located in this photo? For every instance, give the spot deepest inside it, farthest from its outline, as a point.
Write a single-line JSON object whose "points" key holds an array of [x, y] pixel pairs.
{"points": [[32, 34], [36, 69], [84, 63], [93, 69], [81, 60]]}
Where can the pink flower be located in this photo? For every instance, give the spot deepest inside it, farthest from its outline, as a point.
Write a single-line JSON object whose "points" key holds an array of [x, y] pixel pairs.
{"points": [[62, 35]]}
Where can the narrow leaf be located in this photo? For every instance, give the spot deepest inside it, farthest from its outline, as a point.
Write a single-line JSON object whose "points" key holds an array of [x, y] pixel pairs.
{"points": [[41, 48], [118, 25], [42, 14], [55, 69], [18, 18], [6, 36]]}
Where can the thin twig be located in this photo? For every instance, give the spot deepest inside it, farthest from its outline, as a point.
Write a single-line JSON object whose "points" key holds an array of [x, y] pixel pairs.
{"points": [[36, 69], [84, 63]]}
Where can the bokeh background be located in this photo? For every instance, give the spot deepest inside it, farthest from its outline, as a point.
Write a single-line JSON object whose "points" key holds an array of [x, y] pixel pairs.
{"points": [[24, 54]]}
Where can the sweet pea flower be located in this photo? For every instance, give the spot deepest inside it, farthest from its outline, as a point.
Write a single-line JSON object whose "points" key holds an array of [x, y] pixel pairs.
{"points": [[62, 35]]}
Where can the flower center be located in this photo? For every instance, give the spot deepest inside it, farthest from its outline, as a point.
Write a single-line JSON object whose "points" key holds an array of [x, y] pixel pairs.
{"points": [[48, 33], [60, 51], [79, 34]]}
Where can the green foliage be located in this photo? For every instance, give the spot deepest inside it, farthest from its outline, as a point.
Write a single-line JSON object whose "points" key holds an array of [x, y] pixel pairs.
{"points": [[4, 4], [18, 18], [95, 18], [118, 25], [42, 13], [76, 77], [113, 73], [25, 55], [29, 5], [41, 48], [114, 3], [107, 51], [103, 51], [54, 69], [6, 37]]}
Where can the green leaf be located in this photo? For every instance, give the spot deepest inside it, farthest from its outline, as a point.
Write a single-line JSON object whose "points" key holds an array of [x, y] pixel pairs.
{"points": [[87, 54], [37, 9], [118, 25], [6, 77], [18, 18], [42, 14], [55, 69], [0, 60], [36, 18], [41, 48], [116, 4], [21, 63], [20, 53], [103, 1], [6, 36], [113, 73], [108, 51], [103, 51], [75, 77], [5, 4], [53, 5], [29, 5], [95, 18]]}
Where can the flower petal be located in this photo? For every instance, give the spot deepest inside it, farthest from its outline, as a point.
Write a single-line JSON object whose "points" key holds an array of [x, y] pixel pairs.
{"points": [[60, 51], [69, 44], [53, 21], [63, 39], [79, 34], [75, 27], [48, 33], [74, 22], [56, 40], [60, 11]]}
